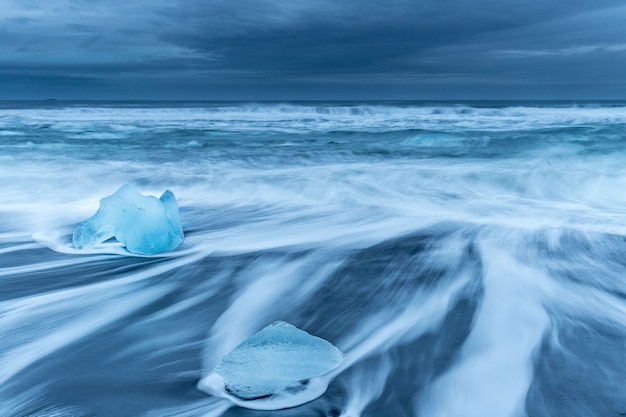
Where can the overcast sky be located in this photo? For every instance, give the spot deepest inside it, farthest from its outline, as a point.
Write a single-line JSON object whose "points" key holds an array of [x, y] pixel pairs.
{"points": [[312, 49]]}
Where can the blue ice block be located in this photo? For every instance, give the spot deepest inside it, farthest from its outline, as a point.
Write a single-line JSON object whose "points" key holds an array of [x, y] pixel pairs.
{"points": [[144, 224], [278, 357]]}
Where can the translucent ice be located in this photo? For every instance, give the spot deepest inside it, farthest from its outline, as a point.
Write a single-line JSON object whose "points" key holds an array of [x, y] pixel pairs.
{"points": [[144, 224], [279, 358]]}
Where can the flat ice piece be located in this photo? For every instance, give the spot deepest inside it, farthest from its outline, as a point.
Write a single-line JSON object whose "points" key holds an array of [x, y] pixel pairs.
{"points": [[144, 224], [278, 357]]}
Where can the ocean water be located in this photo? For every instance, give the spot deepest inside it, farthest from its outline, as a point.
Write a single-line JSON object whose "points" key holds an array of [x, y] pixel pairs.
{"points": [[469, 258]]}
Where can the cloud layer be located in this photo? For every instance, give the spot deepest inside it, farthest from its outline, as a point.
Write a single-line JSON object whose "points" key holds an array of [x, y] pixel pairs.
{"points": [[270, 49]]}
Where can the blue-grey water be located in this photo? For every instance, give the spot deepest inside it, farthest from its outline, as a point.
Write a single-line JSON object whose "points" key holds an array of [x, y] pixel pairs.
{"points": [[469, 259]]}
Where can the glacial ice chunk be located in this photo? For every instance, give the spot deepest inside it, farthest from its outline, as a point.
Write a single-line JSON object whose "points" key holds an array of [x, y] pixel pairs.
{"points": [[280, 357], [144, 224]]}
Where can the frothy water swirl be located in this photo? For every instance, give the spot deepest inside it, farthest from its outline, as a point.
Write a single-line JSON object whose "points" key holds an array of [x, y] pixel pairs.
{"points": [[468, 259]]}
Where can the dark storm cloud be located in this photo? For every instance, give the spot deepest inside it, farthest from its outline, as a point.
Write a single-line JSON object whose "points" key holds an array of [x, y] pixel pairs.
{"points": [[331, 37], [313, 49]]}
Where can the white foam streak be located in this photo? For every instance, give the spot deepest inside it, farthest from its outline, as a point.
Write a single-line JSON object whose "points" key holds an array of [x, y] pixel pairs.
{"points": [[424, 313], [15, 237], [495, 367], [45, 266], [582, 301], [46, 322], [95, 313], [210, 407], [366, 385], [16, 248]]}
